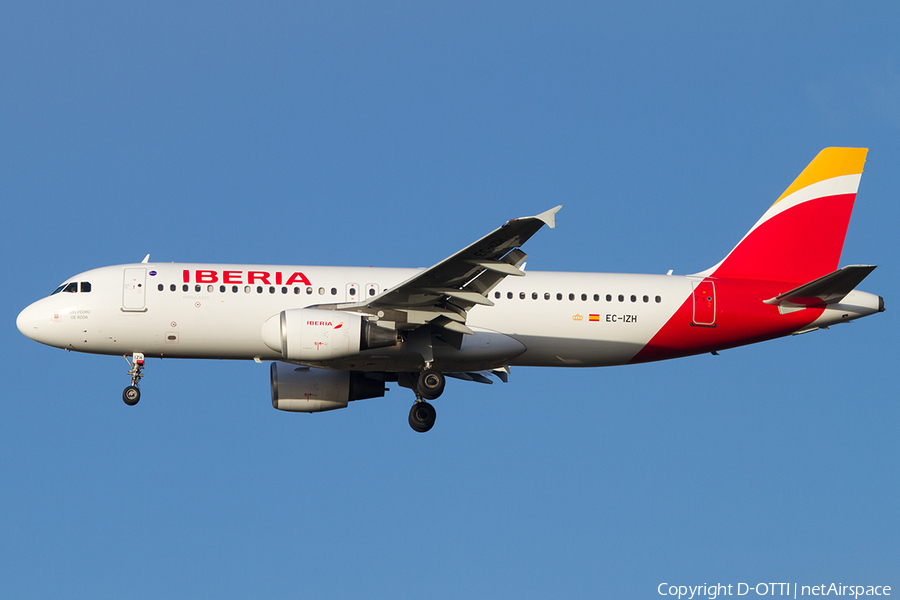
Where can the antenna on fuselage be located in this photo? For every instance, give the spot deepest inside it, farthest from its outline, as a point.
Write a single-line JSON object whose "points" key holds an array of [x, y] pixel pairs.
{"points": [[146, 259]]}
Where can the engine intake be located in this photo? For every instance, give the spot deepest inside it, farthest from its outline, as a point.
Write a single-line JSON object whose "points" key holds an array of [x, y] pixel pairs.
{"points": [[310, 334], [301, 389]]}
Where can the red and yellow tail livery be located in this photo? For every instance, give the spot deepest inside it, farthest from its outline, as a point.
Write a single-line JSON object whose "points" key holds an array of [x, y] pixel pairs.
{"points": [[801, 236]]}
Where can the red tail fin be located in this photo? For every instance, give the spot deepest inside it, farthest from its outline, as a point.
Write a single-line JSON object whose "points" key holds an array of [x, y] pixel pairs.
{"points": [[801, 236]]}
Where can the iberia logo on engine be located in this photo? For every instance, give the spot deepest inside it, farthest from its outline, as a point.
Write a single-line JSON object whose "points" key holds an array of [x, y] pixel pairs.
{"points": [[325, 324]]}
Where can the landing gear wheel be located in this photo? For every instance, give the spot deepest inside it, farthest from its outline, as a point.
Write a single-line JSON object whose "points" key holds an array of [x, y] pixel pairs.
{"points": [[430, 384], [131, 395], [421, 417]]}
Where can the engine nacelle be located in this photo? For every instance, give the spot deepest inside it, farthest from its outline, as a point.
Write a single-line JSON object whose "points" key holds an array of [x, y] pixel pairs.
{"points": [[301, 389], [310, 334]]}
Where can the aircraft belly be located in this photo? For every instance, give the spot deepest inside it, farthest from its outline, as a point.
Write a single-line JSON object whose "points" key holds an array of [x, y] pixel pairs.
{"points": [[565, 352]]}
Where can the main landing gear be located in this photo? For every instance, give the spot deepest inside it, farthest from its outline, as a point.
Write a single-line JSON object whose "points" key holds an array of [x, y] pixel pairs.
{"points": [[428, 386], [132, 394]]}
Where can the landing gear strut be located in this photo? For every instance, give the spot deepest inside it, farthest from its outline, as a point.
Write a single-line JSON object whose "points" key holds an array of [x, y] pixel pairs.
{"points": [[132, 394]]}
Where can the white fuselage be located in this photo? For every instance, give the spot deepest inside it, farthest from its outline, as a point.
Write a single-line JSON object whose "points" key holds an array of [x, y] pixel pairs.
{"points": [[149, 308], [542, 319]]}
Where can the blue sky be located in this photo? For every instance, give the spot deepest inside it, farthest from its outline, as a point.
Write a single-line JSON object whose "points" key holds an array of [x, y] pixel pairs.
{"points": [[393, 134]]}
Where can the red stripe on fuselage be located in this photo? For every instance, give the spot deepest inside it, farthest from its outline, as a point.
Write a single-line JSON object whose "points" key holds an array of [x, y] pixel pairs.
{"points": [[741, 318]]}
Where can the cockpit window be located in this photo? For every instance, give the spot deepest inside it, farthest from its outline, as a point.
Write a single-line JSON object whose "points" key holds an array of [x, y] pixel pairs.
{"points": [[85, 286], [59, 289], [71, 288]]}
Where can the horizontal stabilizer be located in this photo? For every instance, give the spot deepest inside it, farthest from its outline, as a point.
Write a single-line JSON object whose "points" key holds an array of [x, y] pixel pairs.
{"points": [[829, 289]]}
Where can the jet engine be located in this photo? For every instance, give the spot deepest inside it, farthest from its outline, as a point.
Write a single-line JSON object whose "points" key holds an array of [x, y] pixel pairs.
{"points": [[302, 389], [310, 334]]}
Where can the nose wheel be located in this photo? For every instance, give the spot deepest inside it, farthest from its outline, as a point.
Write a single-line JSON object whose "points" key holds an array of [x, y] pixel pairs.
{"points": [[132, 394]]}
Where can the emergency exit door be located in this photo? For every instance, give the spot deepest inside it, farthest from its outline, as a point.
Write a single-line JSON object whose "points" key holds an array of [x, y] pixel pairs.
{"points": [[704, 303], [134, 289]]}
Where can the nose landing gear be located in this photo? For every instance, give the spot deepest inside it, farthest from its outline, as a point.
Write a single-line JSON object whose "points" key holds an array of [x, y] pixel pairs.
{"points": [[132, 394]]}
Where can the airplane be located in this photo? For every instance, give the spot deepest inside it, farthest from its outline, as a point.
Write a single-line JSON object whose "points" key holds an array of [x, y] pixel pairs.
{"points": [[340, 334]]}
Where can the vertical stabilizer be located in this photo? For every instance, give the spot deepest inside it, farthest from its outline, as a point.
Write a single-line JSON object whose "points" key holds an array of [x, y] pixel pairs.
{"points": [[801, 236]]}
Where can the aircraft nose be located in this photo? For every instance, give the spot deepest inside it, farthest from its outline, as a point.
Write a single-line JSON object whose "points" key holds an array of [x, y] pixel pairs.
{"points": [[27, 322]]}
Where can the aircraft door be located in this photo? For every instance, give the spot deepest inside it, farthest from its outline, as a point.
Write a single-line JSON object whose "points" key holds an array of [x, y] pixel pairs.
{"points": [[371, 290], [134, 290], [352, 292], [704, 303]]}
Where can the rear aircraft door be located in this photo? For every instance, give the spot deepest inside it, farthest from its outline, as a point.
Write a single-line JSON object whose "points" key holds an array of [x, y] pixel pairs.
{"points": [[134, 290], [704, 303]]}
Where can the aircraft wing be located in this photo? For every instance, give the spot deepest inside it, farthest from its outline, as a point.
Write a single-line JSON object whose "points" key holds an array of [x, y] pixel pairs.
{"points": [[443, 294]]}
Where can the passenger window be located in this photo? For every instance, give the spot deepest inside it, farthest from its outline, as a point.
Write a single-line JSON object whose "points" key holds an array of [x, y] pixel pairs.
{"points": [[284, 289], [259, 289], [559, 296], [509, 295], [352, 291], [621, 298], [546, 295], [521, 295], [334, 291], [609, 297], [646, 298], [583, 297], [184, 288], [321, 291], [247, 289], [596, 297], [197, 288], [234, 289], [571, 296], [222, 288], [71, 288], [633, 298], [371, 291], [658, 299], [497, 295], [271, 289], [309, 290], [85, 287], [160, 287], [296, 290], [534, 296], [173, 287]]}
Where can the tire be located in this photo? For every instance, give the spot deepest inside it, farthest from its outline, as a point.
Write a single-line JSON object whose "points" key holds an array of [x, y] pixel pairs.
{"points": [[430, 384], [421, 417], [131, 395]]}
